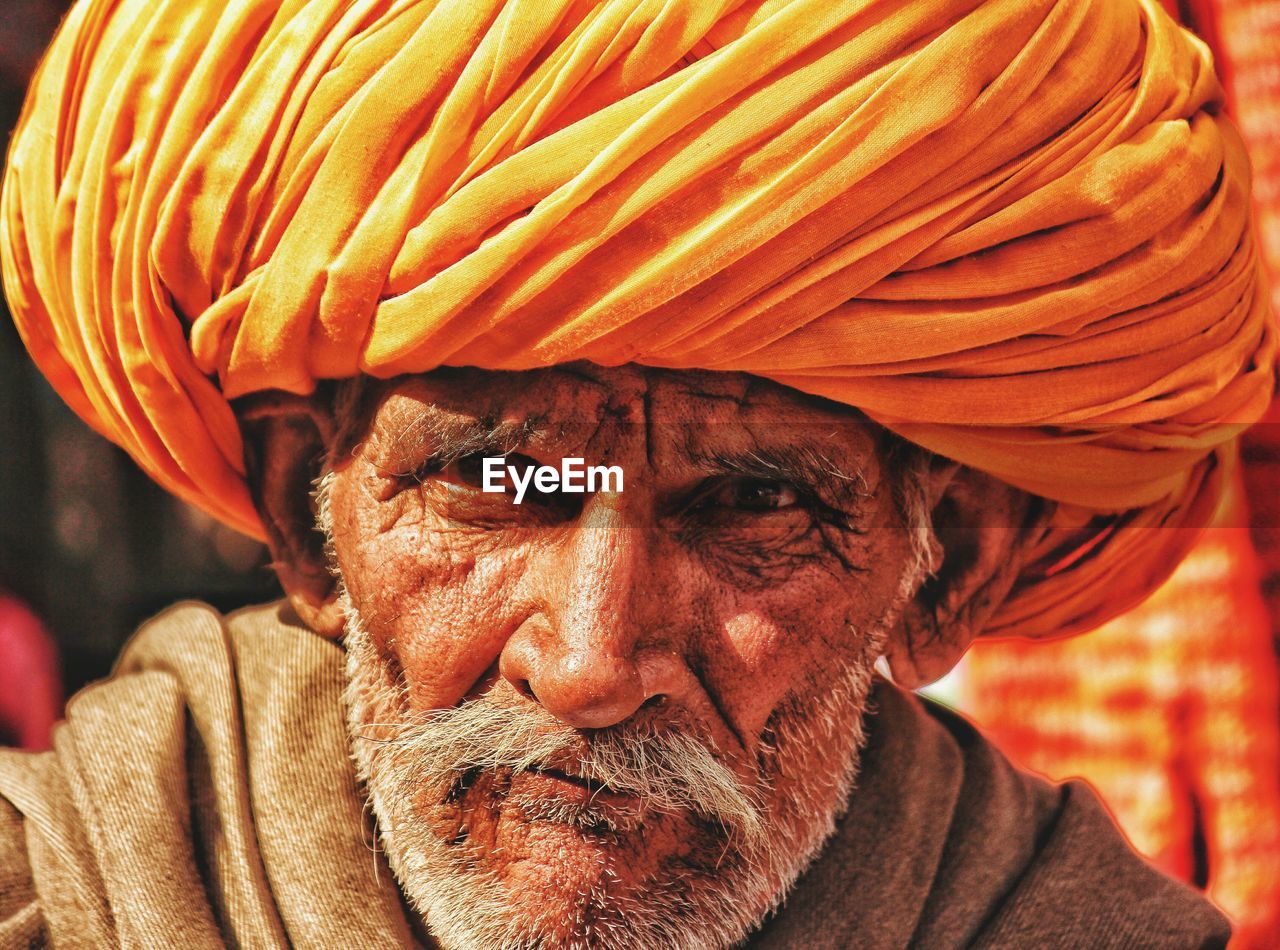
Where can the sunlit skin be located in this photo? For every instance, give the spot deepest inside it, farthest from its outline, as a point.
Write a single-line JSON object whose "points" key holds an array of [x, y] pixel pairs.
{"points": [[756, 534], [752, 566]]}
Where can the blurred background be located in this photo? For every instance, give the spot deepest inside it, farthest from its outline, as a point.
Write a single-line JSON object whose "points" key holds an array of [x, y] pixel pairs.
{"points": [[1171, 712]]}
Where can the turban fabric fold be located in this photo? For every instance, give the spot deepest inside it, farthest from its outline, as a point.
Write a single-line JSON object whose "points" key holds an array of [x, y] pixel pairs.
{"points": [[1016, 232]]}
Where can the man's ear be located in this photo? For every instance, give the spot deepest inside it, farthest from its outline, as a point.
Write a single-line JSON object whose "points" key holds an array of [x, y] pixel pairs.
{"points": [[286, 439], [983, 530]]}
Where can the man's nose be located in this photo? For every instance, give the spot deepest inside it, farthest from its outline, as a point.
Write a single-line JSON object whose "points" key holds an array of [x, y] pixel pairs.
{"points": [[590, 658]]}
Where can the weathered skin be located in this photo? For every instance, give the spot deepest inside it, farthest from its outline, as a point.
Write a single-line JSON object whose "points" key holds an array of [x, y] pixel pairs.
{"points": [[699, 597], [674, 598]]}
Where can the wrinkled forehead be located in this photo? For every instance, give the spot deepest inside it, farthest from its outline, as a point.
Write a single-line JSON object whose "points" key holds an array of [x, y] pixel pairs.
{"points": [[583, 408]]}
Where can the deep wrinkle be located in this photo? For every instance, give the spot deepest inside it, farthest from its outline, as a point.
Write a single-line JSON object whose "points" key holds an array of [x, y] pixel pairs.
{"points": [[724, 594]]}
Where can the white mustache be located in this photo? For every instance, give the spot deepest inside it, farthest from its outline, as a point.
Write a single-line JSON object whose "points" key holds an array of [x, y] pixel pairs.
{"points": [[668, 771]]}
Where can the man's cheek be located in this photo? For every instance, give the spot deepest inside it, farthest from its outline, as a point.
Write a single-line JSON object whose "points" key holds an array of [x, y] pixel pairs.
{"points": [[452, 612], [749, 669], [766, 649], [388, 550]]}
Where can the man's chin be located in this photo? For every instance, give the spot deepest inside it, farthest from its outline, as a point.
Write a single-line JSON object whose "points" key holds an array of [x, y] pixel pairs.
{"points": [[535, 859], [531, 857], [551, 833]]}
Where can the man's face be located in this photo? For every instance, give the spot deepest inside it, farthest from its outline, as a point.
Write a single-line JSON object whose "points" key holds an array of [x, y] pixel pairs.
{"points": [[616, 718]]}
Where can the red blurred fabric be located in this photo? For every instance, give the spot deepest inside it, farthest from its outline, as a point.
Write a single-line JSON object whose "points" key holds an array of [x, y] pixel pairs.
{"points": [[30, 686], [1171, 712]]}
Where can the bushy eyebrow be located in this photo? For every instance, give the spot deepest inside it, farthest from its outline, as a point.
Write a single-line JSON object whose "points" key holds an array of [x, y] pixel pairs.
{"points": [[434, 439], [802, 465]]}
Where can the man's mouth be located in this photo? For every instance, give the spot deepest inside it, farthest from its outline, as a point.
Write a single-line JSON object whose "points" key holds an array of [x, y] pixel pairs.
{"points": [[593, 789], [574, 788]]}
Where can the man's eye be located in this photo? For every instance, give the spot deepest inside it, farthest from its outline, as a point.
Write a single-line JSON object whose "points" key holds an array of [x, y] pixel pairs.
{"points": [[466, 474], [466, 470], [754, 494], [469, 470]]}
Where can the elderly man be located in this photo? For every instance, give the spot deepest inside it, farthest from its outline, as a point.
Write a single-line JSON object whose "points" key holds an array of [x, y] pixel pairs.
{"points": [[899, 323]]}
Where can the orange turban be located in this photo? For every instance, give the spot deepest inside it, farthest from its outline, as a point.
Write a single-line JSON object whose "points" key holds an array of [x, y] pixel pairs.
{"points": [[1014, 231]]}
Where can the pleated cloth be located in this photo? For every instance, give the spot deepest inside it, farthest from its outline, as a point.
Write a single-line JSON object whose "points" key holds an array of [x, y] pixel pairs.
{"points": [[1015, 232]]}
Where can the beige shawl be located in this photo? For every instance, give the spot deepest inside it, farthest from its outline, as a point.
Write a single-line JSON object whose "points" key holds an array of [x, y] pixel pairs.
{"points": [[203, 796]]}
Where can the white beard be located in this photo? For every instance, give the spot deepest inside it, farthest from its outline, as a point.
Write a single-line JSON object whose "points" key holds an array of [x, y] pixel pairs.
{"points": [[811, 769], [768, 834]]}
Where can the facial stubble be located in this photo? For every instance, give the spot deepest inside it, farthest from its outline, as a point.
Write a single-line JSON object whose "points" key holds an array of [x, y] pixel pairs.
{"points": [[750, 840]]}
